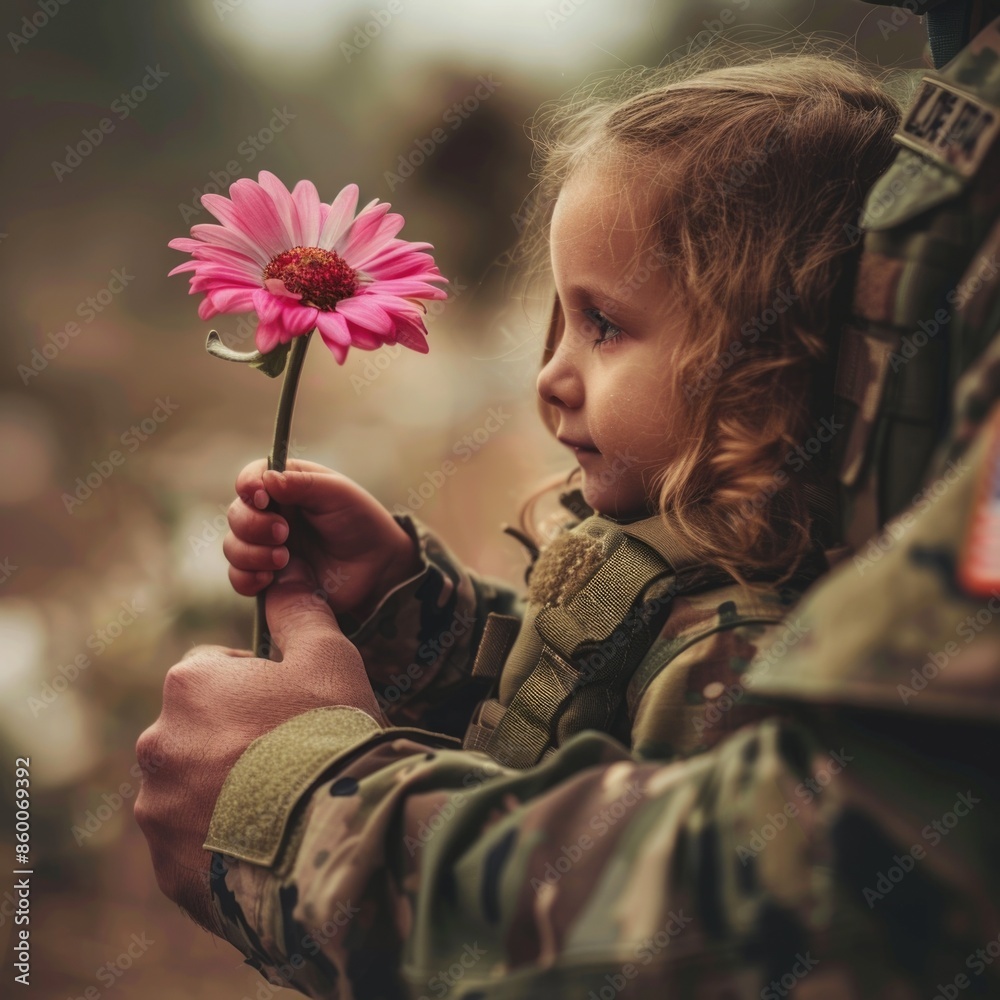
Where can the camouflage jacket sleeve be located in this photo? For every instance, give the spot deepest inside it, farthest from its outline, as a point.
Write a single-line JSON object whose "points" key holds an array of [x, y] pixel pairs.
{"points": [[775, 861], [689, 690], [420, 642], [830, 851]]}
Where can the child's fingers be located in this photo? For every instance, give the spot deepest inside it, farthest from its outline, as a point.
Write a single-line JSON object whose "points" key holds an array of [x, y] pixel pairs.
{"points": [[253, 558], [317, 492], [256, 526], [247, 584], [250, 478]]}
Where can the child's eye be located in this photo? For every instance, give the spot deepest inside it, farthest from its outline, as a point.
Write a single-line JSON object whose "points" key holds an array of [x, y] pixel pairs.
{"points": [[602, 325]]}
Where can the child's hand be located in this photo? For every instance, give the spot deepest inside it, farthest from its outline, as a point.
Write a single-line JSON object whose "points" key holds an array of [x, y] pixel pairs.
{"points": [[355, 548]]}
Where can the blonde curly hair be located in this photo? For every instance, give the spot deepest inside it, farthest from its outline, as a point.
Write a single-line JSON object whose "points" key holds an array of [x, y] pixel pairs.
{"points": [[768, 164]]}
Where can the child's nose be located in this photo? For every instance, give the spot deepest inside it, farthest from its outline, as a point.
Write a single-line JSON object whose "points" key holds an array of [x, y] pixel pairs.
{"points": [[559, 382]]}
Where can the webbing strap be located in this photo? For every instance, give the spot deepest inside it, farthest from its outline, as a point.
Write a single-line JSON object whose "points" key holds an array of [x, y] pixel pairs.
{"points": [[499, 634], [594, 613], [526, 727]]}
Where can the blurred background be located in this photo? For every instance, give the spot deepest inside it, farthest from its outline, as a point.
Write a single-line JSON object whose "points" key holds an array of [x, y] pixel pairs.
{"points": [[110, 572]]}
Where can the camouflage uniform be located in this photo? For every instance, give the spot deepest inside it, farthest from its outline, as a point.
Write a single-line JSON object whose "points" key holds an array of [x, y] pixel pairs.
{"points": [[843, 847]]}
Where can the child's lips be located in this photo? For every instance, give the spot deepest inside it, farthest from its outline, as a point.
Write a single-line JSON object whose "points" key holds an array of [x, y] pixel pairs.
{"points": [[580, 447]]}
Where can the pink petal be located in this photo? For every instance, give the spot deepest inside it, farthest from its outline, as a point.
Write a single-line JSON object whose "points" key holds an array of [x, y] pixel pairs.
{"points": [[366, 314], [232, 240], [365, 339], [339, 351], [333, 327], [277, 287], [396, 262], [412, 338], [267, 337], [284, 315], [339, 218], [297, 319], [362, 243], [406, 288], [307, 213], [258, 217], [223, 209], [206, 310], [232, 300], [358, 236], [188, 265], [283, 205]]}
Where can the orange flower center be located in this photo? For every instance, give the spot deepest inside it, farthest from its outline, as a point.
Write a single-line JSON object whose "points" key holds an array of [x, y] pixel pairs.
{"points": [[323, 277]]}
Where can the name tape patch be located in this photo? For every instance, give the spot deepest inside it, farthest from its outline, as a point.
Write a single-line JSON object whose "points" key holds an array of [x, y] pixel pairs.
{"points": [[954, 128]]}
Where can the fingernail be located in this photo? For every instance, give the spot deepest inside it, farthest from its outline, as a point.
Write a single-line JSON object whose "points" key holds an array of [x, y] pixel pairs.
{"points": [[280, 556], [261, 499], [280, 532], [264, 577]]}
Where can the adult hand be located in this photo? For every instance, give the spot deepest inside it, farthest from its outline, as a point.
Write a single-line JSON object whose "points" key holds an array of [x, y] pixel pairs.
{"points": [[216, 701]]}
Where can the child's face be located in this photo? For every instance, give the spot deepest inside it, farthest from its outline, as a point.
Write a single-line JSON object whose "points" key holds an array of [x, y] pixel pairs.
{"points": [[608, 378]]}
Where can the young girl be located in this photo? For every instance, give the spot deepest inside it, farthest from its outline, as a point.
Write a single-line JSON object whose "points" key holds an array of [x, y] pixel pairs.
{"points": [[697, 234]]}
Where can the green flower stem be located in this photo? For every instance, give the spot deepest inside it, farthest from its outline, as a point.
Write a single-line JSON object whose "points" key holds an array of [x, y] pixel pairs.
{"points": [[276, 460]]}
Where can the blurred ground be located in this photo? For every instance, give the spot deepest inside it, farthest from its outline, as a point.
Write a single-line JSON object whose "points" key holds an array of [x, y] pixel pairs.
{"points": [[101, 592]]}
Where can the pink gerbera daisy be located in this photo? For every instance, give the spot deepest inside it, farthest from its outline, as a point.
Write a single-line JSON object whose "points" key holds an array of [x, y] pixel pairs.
{"points": [[303, 265]]}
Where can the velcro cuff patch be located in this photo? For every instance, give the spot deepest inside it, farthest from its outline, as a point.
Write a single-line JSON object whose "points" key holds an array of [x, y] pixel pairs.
{"points": [[273, 773]]}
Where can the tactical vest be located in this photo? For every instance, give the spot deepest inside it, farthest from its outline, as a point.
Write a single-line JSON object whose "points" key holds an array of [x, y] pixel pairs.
{"points": [[925, 302], [568, 664]]}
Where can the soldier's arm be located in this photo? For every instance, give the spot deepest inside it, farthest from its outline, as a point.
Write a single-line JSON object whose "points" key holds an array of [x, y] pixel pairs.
{"points": [[410, 869], [419, 643]]}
